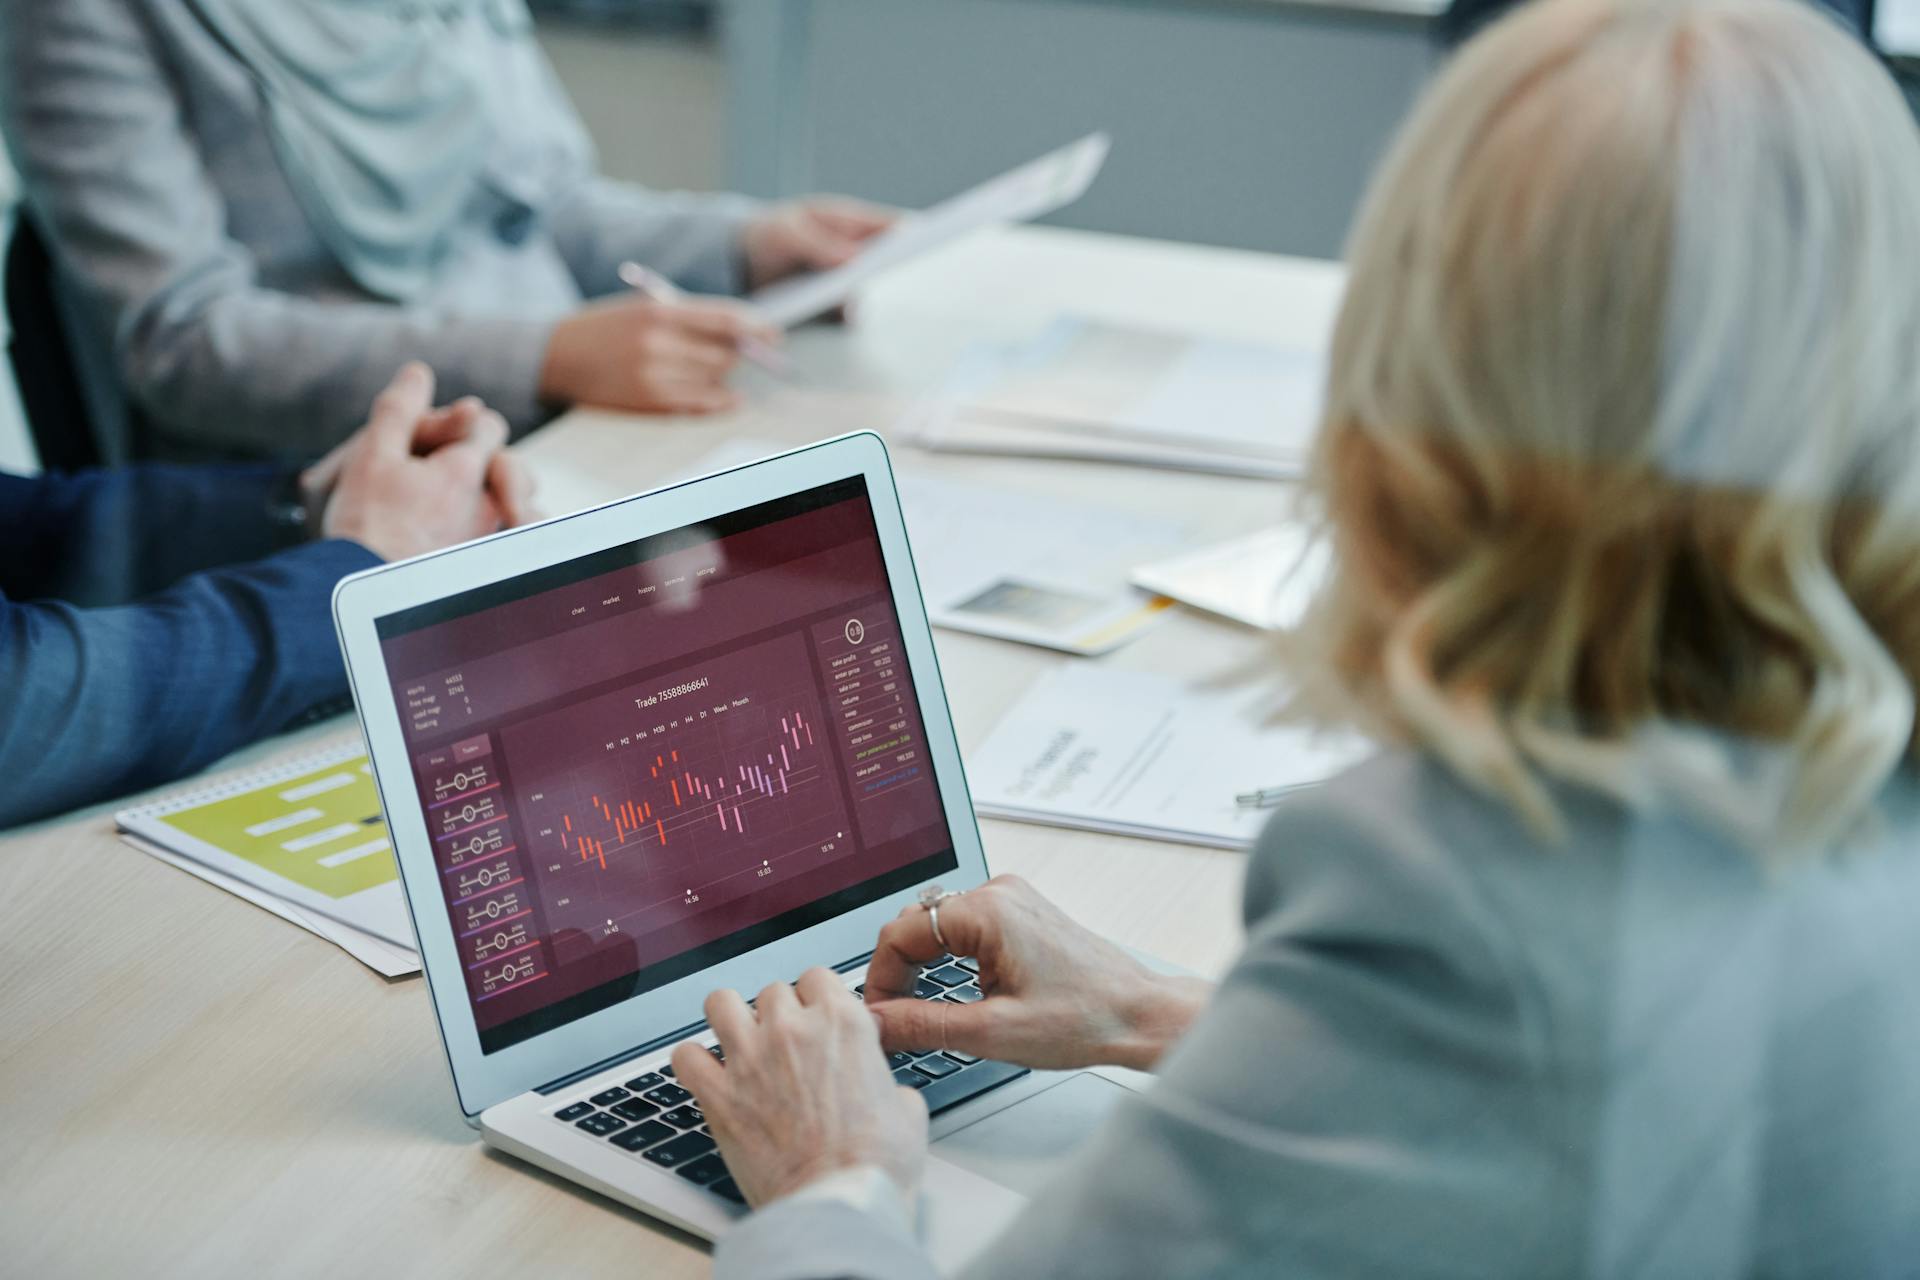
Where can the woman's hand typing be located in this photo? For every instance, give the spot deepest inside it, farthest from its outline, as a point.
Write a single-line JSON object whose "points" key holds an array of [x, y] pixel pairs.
{"points": [[804, 1091], [1057, 995]]}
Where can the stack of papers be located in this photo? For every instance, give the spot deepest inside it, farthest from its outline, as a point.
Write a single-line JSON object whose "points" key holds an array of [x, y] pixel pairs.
{"points": [[1089, 390], [304, 840], [1143, 754]]}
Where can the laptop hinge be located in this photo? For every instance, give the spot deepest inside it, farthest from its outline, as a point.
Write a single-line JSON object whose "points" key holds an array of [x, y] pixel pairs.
{"points": [[660, 1042]]}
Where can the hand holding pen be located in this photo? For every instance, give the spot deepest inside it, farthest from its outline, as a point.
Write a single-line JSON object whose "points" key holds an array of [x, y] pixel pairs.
{"points": [[754, 348], [654, 350]]}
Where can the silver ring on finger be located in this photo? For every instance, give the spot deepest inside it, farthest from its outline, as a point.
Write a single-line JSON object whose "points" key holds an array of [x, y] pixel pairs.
{"points": [[930, 898]]}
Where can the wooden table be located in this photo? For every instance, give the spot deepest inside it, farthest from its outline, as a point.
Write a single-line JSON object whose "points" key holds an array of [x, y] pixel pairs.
{"points": [[191, 1086]]}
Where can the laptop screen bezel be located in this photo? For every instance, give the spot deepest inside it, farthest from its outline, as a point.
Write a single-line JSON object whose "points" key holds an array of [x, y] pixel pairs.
{"points": [[482, 1079]]}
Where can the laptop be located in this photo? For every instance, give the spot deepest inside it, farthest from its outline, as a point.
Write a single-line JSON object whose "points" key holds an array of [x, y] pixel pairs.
{"points": [[692, 739]]}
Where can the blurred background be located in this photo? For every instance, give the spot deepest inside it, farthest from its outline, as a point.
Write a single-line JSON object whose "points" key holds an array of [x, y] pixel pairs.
{"points": [[1249, 123]]}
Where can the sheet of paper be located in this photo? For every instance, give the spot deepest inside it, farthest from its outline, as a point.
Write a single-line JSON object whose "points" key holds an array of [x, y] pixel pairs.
{"points": [[1896, 27], [1264, 580], [961, 431], [1082, 388], [1019, 566], [383, 957], [1171, 388], [310, 834], [1141, 753], [1039, 187]]}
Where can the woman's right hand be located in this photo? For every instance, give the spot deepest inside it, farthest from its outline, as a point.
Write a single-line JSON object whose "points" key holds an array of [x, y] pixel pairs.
{"points": [[1057, 995], [633, 354]]}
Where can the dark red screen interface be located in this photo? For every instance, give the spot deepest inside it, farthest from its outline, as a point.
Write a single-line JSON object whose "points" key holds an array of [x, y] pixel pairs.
{"points": [[650, 759]]}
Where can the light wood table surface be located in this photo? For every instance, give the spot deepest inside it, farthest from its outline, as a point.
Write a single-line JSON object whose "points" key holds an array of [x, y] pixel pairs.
{"points": [[189, 1085]]}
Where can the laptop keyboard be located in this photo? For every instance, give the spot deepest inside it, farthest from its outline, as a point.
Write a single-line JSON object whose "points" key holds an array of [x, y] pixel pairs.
{"points": [[655, 1118]]}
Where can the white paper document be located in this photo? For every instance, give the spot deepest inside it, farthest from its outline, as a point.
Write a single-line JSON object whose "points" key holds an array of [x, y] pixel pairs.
{"points": [[1144, 754], [1264, 579], [1019, 566], [1034, 189], [307, 832], [1897, 27], [387, 959], [1086, 389]]}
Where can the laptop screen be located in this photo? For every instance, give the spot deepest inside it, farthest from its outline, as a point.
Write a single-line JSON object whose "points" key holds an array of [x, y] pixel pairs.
{"points": [[642, 762]]}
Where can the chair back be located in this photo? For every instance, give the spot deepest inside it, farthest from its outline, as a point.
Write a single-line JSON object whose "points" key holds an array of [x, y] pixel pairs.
{"points": [[43, 361]]}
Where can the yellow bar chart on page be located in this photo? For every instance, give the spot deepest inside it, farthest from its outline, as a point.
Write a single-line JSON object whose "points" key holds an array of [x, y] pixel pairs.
{"points": [[321, 829]]}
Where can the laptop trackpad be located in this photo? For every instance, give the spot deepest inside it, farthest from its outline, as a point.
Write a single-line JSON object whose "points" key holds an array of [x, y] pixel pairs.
{"points": [[1022, 1147]]}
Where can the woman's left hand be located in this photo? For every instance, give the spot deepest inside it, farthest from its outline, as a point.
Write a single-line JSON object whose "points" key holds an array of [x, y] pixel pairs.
{"points": [[804, 1091], [815, 234]]}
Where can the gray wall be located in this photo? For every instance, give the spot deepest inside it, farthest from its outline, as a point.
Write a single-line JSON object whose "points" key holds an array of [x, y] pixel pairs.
{"points": [[1235, 122], [655, 102]]}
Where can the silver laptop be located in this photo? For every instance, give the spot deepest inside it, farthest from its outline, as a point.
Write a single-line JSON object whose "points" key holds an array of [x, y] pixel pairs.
{"points": [[688, 740]]}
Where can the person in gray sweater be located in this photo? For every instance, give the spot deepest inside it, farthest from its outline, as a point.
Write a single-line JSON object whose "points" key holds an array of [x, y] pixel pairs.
{"points": [[1605, 964], [257, 210]]}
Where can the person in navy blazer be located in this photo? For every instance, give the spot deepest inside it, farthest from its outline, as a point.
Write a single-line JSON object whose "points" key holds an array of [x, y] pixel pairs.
{"points": [[154, 618]]}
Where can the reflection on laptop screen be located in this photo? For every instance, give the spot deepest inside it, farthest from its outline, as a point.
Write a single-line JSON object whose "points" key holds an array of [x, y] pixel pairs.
{"points": [[644, 761]]}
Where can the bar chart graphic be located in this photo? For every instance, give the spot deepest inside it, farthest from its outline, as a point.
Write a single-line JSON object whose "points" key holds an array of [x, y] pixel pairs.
{"points": [[321, 830], [680, 800], [641, 811]]}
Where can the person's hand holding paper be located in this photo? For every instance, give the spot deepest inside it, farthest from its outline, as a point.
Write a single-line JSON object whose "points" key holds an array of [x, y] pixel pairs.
{"points": [[1036, 188], [811, 235]]}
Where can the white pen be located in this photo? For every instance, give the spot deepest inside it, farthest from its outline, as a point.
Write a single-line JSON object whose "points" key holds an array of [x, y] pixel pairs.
{"points": [[650, 284], [1264, 798]]}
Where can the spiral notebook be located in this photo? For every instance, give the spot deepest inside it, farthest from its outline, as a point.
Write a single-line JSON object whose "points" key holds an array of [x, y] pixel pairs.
{"points": [[305, 834]]}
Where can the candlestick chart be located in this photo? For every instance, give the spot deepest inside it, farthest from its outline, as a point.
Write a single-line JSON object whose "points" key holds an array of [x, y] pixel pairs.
{"points": [[680, 802], [642, 813]]}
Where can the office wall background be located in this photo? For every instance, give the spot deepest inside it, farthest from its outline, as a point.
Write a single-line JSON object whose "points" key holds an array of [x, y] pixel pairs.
{"points": [[654, 100], [1249, 123]]}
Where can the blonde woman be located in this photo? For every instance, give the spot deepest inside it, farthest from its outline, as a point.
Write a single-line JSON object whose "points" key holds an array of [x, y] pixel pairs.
{"points": [[1610, 964]]}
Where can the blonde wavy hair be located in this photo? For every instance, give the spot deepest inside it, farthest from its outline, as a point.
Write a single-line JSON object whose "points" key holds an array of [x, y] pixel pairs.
{"points": [[1619, 462]]}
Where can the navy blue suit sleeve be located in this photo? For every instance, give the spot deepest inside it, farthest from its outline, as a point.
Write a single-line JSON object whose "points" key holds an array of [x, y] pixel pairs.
{"points": [[112, 536], [101, 702]]}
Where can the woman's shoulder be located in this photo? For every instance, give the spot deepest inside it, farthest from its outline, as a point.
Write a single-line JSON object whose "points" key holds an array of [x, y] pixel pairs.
{"points": [[1403, 815], [1394, 853], [1396, 825], [1398, 851]]}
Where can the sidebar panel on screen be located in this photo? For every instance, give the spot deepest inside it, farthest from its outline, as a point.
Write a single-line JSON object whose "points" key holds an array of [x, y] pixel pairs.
{"points": [[640, 764]]}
